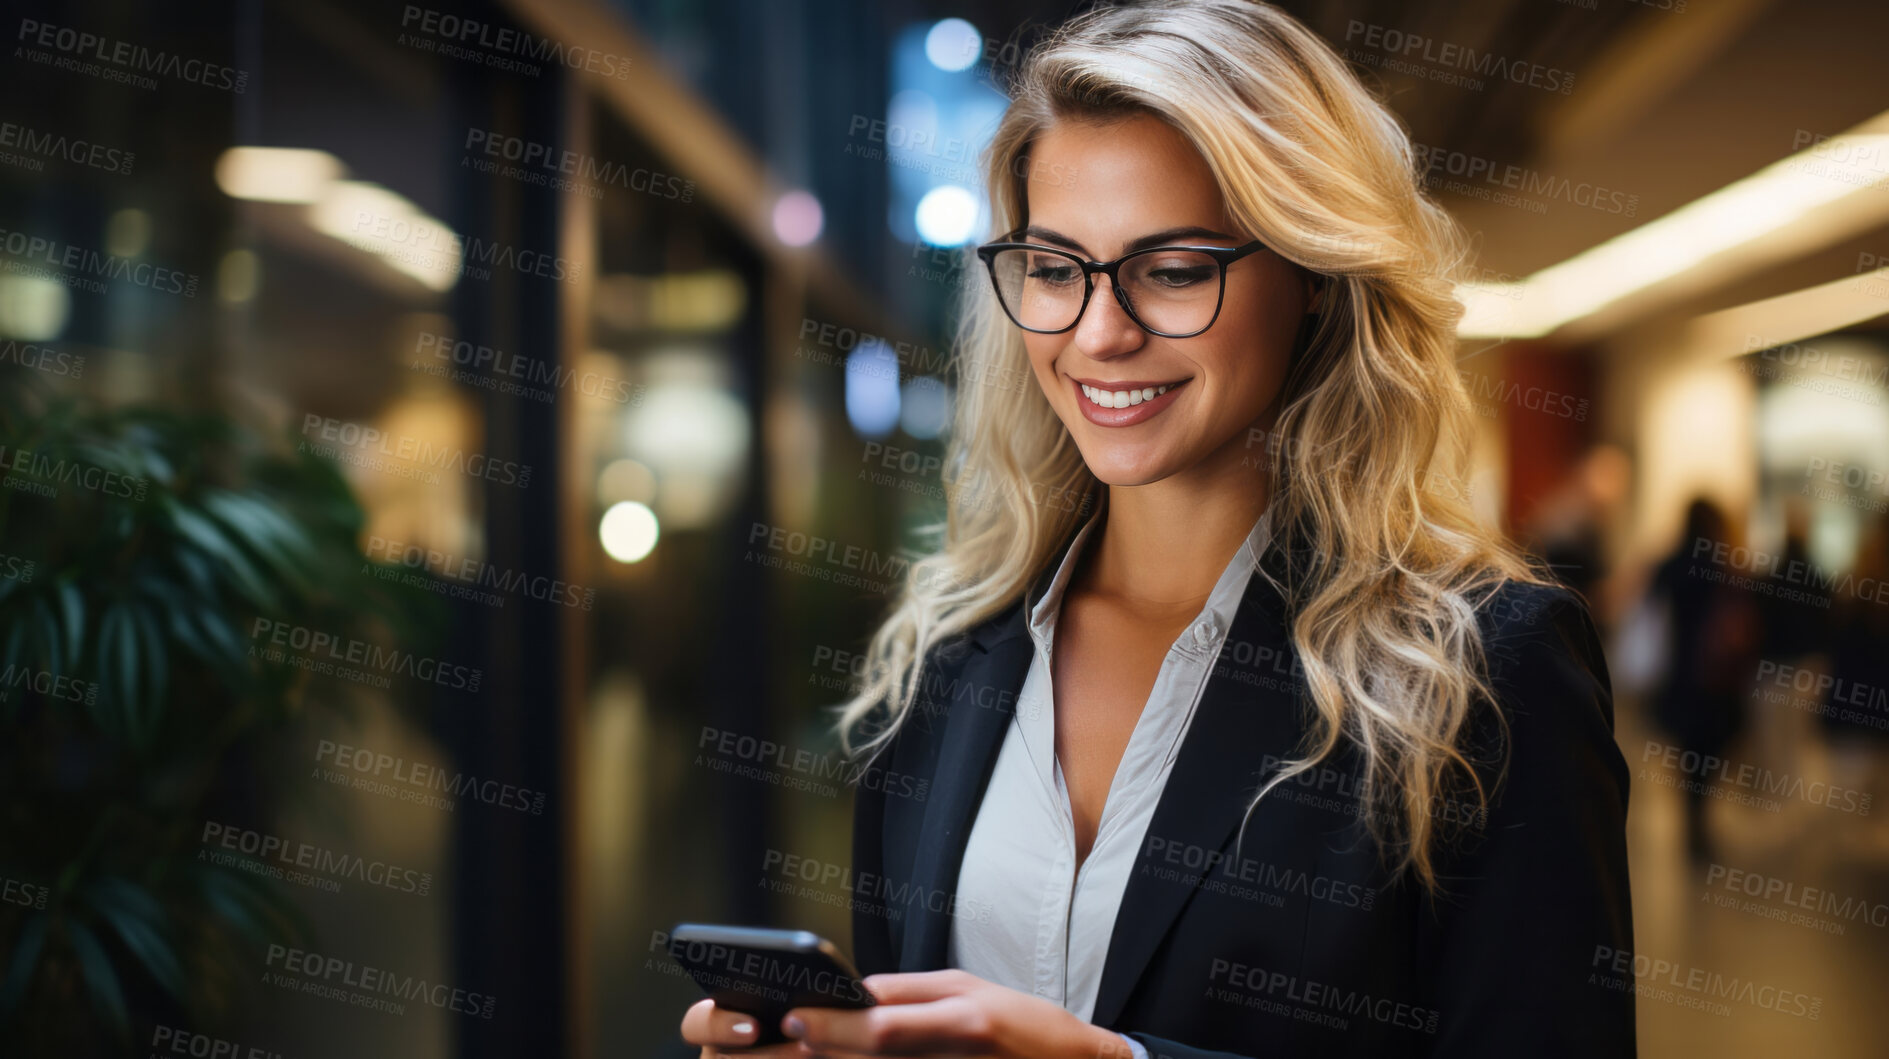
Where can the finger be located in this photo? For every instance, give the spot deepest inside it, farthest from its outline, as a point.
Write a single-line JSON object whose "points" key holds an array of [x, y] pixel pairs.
{"points": [[889, 1029], [919, 987], [706, 1024]]}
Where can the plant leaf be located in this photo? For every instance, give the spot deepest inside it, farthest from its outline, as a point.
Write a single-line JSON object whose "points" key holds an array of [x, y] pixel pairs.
{"points": [[101, 980], [156, 672], [72, 606], [277, 540], [219, 548], [46, 631], [117, 664], [26, 952], [139, 920]]}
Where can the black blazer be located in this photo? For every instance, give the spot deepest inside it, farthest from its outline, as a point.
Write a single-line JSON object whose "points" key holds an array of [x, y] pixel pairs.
{"points": [[1300, 945]]}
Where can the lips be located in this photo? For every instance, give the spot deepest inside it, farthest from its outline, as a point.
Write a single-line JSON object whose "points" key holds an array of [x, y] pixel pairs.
{"points": [[1126, 403]]}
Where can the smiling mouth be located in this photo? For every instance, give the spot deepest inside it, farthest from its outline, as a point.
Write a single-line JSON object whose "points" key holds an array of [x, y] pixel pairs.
{"points": [[1102, 398]]}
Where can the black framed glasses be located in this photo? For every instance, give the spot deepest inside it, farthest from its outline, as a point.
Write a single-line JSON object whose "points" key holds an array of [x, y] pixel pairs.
{"points": [[1170, 291]]}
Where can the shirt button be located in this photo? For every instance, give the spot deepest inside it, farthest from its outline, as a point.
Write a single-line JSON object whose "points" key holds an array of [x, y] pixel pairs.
{"points": [[1204, 633]]}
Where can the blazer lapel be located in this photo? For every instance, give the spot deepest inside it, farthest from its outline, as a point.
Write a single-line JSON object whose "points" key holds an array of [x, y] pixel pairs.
{"points": [[1237, 724], [982, 700]]}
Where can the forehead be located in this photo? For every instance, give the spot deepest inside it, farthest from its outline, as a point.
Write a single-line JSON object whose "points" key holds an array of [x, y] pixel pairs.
{"points": [[1105, 184]]}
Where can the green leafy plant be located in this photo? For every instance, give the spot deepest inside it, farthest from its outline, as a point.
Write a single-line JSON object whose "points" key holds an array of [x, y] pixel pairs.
{"points": [[137, 546]]}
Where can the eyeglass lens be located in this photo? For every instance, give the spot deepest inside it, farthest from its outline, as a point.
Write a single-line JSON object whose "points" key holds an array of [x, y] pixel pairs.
{"points": [[1175, 291]]}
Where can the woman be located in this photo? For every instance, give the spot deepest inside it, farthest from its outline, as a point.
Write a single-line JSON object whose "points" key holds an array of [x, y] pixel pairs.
{"points": [[1279, 752], [1713, 652]]}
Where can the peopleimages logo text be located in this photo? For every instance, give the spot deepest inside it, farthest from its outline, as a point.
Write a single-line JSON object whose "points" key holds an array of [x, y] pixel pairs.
{"points": [[504, 39], [416, 450], [316, 644], [275, 851], [77, 150], [85, 263], [533, 155], [419, 774], [379, 982], [131, 57]]}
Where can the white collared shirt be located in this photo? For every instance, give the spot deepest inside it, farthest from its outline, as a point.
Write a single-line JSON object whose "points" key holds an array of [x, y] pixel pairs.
{"points": [[1049, 926]]}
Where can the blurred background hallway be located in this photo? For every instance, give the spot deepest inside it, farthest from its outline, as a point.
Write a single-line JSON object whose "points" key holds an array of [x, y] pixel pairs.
{"points": [[402, 399]]}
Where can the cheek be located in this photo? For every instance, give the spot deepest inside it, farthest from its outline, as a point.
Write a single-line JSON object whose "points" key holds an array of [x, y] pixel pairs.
{"points": [[1245, 380], [1243, 386], [1041, 350], [1254, 354]]}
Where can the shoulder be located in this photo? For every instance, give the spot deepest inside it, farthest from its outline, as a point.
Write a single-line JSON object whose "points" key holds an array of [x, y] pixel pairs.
{"points": [[1528, 627], [952, 676], [1552, 719], [1514, 608]]}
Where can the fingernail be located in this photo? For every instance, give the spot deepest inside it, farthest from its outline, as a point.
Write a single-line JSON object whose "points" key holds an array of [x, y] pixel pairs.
{"points": [[793, 1027], [743, 1028]]}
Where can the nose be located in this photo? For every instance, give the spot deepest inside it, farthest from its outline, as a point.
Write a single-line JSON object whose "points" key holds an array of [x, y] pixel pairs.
{"points": [[1105, 329]]}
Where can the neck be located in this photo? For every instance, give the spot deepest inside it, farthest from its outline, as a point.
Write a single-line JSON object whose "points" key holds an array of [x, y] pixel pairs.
{"points": [[1169, 541]]}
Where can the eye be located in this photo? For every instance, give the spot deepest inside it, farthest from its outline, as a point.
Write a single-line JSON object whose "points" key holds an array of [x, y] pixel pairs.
{"points": [[1174, 270], [1181, 275], [1054, 272]]}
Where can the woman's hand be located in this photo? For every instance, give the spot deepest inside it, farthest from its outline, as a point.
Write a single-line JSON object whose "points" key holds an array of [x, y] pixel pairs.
{"points": [[717, 1028], [951, 1013]]}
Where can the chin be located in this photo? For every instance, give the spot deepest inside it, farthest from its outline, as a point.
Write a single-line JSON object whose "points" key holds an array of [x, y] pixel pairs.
{"points": [[1125, 469]]}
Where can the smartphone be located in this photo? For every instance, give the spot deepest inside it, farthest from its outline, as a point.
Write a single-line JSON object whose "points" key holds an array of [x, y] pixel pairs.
{"points": [[767, 973]]}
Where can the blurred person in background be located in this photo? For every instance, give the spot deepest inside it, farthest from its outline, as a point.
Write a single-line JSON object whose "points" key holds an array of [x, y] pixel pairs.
{"points": [[1570, 525], [1711, 631], [1855, 712], [1795, 627], [1214, 244], [1794, 635]]}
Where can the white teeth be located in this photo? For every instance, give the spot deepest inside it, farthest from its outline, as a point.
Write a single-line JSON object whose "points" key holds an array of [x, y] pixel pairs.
{"points": [[1123, 398]]}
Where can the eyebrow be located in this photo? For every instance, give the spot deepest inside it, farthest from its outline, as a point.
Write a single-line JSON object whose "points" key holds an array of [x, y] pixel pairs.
{"points": [[1159, 238]]}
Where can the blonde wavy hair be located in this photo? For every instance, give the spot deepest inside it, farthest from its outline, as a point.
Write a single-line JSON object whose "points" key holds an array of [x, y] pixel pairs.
{"points": [[1387, 571]]}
